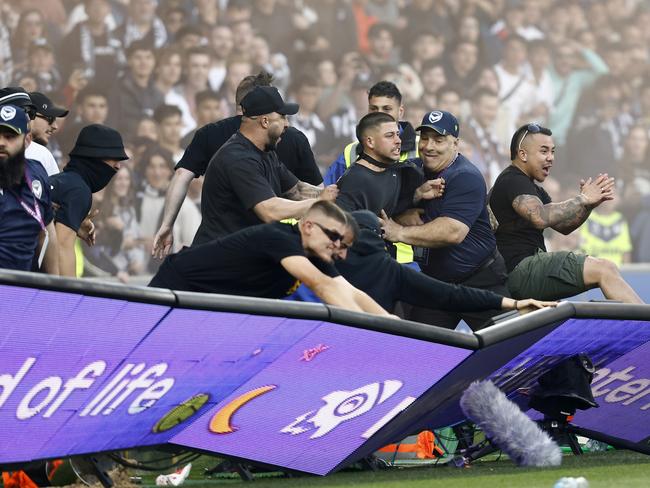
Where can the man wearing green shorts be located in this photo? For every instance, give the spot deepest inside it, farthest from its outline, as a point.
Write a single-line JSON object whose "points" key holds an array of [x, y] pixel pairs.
{"points": [[523, 210]]}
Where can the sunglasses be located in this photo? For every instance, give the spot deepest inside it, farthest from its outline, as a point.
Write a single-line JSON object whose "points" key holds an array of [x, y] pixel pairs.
{"points": [[332, 235], [49, 118], [530, 129]]}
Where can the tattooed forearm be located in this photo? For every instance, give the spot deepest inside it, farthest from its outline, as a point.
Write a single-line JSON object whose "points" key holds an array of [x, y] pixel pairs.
{"points": [[303, 191], [564, 216]]}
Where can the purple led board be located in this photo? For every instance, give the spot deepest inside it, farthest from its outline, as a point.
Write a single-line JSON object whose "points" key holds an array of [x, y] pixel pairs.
{"points": [[620, 351], [82, 374]]}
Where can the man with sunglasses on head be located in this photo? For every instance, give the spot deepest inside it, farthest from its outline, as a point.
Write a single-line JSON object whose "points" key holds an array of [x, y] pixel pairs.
{"points": [[271, 260], [523, 210]]}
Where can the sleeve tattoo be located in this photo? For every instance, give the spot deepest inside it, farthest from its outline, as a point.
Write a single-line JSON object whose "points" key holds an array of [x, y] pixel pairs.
{"points": [[302, 191], [564, 216]]}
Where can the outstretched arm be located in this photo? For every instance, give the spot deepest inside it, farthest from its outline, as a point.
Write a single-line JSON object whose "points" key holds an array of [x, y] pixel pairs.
{"points": [[440, 232], [566, 216], [164, 239], [333, 291]]}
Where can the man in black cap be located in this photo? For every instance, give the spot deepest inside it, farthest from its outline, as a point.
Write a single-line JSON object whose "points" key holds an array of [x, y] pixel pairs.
{"points": [[245, 183], [370, 268], [16, 95], [293, 151], [456, 243], [93, 162], [25, 209], [44, 124]]}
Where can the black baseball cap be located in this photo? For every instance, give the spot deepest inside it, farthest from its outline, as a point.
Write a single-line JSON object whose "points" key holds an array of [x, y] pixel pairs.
{"points": [[15, 95], [44, 105], [265, 100], [444, 123]]}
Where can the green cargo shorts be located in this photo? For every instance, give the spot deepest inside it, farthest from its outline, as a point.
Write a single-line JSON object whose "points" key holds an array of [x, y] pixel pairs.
{"points": [[548, 276]]}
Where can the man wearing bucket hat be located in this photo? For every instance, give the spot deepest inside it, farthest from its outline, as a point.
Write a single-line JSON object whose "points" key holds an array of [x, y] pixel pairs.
{"points": [[24, 197], [456, 243], [94, 160]]}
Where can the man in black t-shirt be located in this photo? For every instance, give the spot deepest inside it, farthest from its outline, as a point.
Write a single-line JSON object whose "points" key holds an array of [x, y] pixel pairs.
{"points": [[271, 260], [245, 183], [523, 210], [293, 151]]}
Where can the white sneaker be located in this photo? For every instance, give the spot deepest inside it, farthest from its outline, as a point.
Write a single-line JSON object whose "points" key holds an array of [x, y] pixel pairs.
{"points": [[174, 479]]}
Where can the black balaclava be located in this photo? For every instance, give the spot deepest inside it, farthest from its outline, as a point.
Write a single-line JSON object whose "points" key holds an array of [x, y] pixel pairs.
{"points": [[95, 172]]}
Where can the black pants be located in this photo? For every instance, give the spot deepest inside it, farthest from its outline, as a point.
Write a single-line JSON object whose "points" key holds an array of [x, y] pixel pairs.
{"points": [[491, 276]]}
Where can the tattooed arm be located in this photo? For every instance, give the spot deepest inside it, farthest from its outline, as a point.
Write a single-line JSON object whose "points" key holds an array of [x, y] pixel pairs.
{"points": [[303, 191], [566, 216]]}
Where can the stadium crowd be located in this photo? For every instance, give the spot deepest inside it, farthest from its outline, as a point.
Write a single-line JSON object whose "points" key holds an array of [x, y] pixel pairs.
{"points": [[159, 70]]}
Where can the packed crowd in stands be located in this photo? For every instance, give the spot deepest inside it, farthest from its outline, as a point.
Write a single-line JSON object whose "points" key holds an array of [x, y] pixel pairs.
{"points": [[157, 70]]}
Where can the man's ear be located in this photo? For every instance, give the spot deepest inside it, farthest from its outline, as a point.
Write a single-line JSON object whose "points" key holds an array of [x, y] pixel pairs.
{"points": [[522, 155], [28, 139], [400, 113]]}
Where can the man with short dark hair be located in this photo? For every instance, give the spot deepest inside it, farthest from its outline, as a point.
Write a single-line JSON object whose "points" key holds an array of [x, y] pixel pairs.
{"points": [[26, 224], [375, 182], [523, 210], [169, 121], [456, 241], [245, 183], [271, 260]]}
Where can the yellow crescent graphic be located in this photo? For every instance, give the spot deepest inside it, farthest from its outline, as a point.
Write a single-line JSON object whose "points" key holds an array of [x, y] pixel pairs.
{"points": [[220, 423]]}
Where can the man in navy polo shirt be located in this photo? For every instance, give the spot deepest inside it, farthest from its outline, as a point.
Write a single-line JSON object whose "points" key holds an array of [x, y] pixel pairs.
{"points": [[25, 210], [456, 243]]}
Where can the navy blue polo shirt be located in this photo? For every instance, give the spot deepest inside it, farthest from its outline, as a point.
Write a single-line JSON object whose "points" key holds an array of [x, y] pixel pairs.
{"points": [[19, 231], [465, 200]]}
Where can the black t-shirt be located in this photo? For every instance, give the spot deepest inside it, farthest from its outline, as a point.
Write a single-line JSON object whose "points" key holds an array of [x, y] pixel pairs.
{"points": [[391, 190], [72, 197], [244, 263], [239, 177], [516, 236], [293, 150]]}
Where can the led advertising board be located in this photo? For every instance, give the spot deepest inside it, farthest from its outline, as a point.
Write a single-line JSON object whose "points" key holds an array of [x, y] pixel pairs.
{"points": [[620, 351], [82, 374]]}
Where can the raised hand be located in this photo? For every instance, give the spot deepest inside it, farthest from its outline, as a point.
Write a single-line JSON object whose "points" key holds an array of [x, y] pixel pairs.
{"points": [[329, 193], [598, 190], [430, 189]]}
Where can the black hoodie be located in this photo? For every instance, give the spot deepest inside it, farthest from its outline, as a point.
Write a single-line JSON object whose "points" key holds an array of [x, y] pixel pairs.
{"points": [[370, 268]]}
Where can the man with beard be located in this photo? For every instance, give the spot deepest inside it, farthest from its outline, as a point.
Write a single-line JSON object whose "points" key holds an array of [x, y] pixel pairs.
{"points": [[25, 209], [271, 260], [45, 125], [245, 183], [94, 160], [456, 243]]}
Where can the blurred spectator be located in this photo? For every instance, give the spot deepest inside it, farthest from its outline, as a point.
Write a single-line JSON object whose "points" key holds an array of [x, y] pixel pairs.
{"points": [[6, 59], [274, 63], [91, 107], [427, 50], [92, 47], [479, 131], [306, 92], [606, 234], [135, 94], [148, 128], [429, 16], [433, 78], [221, 43], [574, 69], [238, 69], [271, 19], [195, 80], [463, 67], [208, 109], [41, 64], [206, 13], [30, 28], [382, 54], [142, 24], [169, 68], [168, 121], [516, 90], [242, 36], [119, 249], [151, 200], [173, 17]]}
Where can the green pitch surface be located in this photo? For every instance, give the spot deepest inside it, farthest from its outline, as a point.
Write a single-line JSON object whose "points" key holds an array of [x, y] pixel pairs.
{"points": [[620, 469]]}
